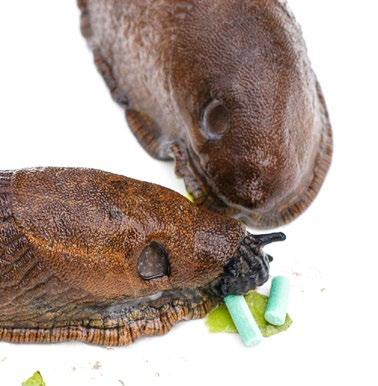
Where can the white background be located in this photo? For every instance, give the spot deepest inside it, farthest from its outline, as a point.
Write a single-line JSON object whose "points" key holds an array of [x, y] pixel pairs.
{"points": [[56, 111]]}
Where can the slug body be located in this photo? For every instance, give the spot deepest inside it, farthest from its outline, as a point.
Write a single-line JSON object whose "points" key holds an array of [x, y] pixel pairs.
{"points": [[100, 258], [227, 90]]}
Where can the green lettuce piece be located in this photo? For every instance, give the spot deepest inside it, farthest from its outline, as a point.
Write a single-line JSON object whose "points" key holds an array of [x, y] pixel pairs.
{"points": [[219, 320], [189, 197], [35, 380]]}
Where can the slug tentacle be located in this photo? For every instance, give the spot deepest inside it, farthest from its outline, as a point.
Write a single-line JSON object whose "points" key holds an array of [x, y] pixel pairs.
{"points": [[263, 240]]}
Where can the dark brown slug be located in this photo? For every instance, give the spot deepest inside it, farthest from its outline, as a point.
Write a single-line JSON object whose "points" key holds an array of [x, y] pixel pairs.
{"points": [[100, 258], [225, 88]]}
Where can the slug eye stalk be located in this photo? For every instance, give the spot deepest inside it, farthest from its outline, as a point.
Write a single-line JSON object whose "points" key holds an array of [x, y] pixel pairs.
{"points": [[269, 238]]}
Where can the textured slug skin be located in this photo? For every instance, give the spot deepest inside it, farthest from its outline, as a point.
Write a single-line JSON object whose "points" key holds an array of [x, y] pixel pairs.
{"points": [[226, 89], [70, 240]]}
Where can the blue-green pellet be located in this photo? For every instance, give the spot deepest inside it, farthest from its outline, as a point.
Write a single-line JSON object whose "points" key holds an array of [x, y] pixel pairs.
{"points": [[246, 325], [278, 301]]}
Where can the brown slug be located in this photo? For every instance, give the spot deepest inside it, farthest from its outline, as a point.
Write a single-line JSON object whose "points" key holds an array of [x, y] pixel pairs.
{"points": [[226, 89], [100, 258]]}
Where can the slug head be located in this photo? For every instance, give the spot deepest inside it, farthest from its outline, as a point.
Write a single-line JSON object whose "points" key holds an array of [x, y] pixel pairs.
{"points": [[250, 105], [249, 267]]}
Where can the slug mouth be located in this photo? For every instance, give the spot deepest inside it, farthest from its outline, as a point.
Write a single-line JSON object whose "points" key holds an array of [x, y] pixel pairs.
{"points": [[249, 267]]}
